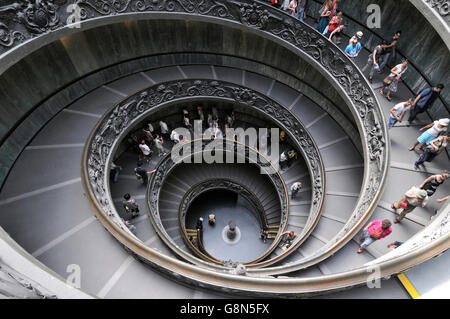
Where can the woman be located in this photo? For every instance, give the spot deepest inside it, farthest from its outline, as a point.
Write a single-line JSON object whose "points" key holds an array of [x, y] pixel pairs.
{"points": [[435, 129], [324, 16], [334, 24], [292, 7], [435, 148], [433, 182], [285, 4], [159, 145], [337, 33], [375, 230], [391, 81]]}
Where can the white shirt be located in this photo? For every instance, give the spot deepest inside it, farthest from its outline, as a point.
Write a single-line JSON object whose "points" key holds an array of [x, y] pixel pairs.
{"points": [[296, 186], [164, 128], [400, 108], [435, 130], [174, 136], [145, 149], [412, 192], [398, 69]]}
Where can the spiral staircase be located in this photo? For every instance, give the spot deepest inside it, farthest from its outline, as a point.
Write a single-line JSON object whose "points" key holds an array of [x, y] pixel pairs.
{"points": [[56, 216]]}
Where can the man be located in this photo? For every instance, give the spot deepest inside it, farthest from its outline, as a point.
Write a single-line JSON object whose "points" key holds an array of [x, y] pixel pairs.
{"points": [[146, 151], [358, 36], [289, 236], [115, 169], [130, 205], [375, 230], [398, 112], [141, 173], [413, 198], [200, 223], [301, 5], [390, 49], [372, 62], [212, 219], [164, 128], [295, 188], [424, 101], [353, 49]]}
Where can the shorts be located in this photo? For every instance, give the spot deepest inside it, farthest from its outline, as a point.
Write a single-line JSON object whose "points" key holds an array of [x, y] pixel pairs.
{"points": [[426, 138]]}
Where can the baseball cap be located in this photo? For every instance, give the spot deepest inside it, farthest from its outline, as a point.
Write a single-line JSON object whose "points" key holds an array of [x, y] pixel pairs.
{"points": [[444, 122], [422, 194]]}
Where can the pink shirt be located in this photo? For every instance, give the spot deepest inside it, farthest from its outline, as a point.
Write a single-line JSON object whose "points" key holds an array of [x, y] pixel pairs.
{"points": [[376, 224]]}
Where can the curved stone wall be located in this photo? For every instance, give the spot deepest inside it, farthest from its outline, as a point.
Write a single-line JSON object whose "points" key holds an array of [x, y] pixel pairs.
{"points": [[56, 66]]}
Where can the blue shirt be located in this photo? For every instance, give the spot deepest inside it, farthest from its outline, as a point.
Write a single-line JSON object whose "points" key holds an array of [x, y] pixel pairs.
{"points": [[352, 50], [425, 97]]}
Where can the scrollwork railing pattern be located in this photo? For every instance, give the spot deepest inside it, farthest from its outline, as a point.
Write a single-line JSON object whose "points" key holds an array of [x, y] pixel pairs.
{"points": [[299, 37], [167, 165], [442, 7], [115, 123]]}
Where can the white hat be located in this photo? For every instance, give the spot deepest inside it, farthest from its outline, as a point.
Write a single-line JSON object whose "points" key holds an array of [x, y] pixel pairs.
{"points": [[444, 122], [359, 34]]}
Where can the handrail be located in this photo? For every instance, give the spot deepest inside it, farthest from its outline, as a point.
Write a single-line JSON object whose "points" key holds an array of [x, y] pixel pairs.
{"points": [[119, 120], [223, 183], [167, 165], [267, 22], [410, 62]]}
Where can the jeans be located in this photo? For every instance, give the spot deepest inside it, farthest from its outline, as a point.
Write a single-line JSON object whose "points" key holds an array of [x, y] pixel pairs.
{"points": [[367, 239], [426, 156], [384, 60], [300, 14], [325, 32], [415, 111], [369, 65], [116, 174], [294, 193], [392, 121]]}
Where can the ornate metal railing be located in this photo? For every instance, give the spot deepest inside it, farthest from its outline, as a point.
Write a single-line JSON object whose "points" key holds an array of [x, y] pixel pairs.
{"points": [[167, 165], [231, 185], [121, 118]]}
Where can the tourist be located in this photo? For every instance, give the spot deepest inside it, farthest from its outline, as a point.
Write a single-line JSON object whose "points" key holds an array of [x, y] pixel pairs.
{"points": [[324, 17], [201, 117], [212, 219], [334, 24], [164, 128], [295, 188], [433, 130], [394, 245], [159, 142], [301, 6], [414, 197], [130, 205], [435, 147], [116, 170], [285, 5], [375, 230], [337, 33], [398, 112], [433, 182], [148, 136], [353, 49], [424, 101], [200, 223], [141, 173], [390, 49], [292, 7], [333, 8], [391, 81], [373, 60], [288, 238], [146, 151], [358, 36]]}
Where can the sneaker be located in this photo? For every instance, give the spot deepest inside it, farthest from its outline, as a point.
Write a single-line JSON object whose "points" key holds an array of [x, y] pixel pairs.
{"points": [[416, 167]]}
